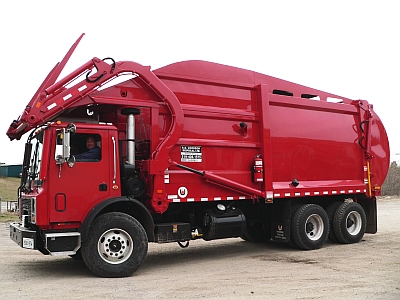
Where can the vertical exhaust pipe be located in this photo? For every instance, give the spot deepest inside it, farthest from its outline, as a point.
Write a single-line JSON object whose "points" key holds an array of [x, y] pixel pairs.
{"points": [[130, 133]]}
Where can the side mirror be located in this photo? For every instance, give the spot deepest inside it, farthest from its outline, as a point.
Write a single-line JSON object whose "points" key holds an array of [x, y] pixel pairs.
{"points": [[66, 146]]}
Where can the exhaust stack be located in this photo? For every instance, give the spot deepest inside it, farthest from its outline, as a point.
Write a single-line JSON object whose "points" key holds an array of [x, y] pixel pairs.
{"points": [[130, 133]]}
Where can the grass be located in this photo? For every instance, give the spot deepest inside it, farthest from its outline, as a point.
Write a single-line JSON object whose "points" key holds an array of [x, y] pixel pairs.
{"points": [[8, 192], [9, 188], [8, 217]]}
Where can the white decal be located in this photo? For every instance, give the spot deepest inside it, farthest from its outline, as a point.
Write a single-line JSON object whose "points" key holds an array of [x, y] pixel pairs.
{"points": [[182, 192], [191, 154]]}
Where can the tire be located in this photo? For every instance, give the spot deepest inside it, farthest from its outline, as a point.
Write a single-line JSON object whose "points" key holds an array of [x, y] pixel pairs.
{"points": [[126, 250], [330, 211], [293, 209], [256, 232], [349, 222], [310, 227]]}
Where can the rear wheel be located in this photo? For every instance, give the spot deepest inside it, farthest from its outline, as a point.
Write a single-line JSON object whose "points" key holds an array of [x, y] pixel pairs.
{"points": [[310, 227], [349, 222], [330, 211], [116, 245]]}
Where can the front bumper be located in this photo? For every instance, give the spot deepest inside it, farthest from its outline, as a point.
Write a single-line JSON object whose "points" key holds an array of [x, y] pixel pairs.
{"points": [[24, 237], [54, 243]]}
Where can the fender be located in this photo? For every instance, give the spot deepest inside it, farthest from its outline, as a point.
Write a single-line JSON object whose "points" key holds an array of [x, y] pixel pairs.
{"points": [[126, 205]]}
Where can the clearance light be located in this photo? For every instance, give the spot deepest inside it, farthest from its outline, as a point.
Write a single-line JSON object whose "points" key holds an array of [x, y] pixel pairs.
{"points": [[221, 207], [115, 187], [159, 191]]}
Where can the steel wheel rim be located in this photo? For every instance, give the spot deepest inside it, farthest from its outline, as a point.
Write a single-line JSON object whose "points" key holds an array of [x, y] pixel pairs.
{"points": [[353, 223], [314, 227], [115, 246]]}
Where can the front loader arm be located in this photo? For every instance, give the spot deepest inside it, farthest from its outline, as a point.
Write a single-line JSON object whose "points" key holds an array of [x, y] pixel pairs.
{"points": [[21, 125], [57, 97], [41, 108], [54, 99]]}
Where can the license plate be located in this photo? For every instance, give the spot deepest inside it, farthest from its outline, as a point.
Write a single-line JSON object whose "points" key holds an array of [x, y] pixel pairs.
{"points": [[28, 243]]}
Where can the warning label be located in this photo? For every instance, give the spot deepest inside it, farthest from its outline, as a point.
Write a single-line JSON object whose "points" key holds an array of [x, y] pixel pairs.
{"points": [[191, 154]]}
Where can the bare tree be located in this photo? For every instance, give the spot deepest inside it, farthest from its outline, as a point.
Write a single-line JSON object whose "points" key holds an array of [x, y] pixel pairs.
{"points": [[391, 186]]}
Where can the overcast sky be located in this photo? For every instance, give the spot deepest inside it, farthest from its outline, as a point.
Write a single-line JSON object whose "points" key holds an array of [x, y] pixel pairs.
{"points": [[349, 48]]}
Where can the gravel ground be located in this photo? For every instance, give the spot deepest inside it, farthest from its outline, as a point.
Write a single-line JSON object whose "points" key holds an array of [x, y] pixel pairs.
{"points": [[225, 269]]}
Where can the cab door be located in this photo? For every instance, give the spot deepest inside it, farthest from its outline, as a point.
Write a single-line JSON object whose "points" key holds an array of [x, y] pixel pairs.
{"points": [[74, 190]]}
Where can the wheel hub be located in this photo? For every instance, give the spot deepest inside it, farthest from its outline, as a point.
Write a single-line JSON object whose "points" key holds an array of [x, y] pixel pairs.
{"points": [[309, 227], [314, 227], [350, 223], [354, 223], [115, 246]]}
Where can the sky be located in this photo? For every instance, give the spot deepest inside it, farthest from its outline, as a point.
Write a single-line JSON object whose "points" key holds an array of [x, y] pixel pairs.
{"points": [[348, 48]]}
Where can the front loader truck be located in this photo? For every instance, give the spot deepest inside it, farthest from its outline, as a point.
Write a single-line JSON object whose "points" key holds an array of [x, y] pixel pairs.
{"points": [[191, 150]]}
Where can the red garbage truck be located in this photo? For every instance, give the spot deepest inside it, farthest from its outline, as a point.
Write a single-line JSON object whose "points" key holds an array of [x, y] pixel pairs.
{"points": [[191, 150]]}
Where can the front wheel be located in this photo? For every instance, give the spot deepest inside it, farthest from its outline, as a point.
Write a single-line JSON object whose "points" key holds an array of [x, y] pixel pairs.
{"points": [[349, 222], [310, 227], [116, 245]]}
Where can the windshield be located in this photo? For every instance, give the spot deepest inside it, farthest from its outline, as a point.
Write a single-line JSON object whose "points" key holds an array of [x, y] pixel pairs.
{"points": [[36, 159], [32, 162]]}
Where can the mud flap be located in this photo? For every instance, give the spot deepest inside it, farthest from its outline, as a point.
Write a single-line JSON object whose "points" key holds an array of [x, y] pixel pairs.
{"points": [[280, 225], [369, 206]]}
